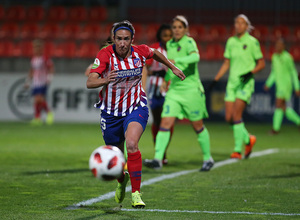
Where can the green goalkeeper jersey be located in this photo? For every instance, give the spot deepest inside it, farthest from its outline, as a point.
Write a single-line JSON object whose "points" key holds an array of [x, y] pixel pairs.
{"points": [[186, 56], [283, 73], [242, 53]]}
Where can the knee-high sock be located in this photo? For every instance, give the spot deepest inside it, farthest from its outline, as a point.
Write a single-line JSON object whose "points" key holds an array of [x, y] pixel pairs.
{"points": [[162, 141], [292, 115], [154, 131], [204, 141], [45, 106], [239, 136], [246, 135], [37, 110], [134, 165], [277, 119]]}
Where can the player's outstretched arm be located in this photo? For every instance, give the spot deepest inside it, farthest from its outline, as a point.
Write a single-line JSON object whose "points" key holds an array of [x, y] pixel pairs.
{"points": [[94, 81], [259, 66], [223, 69], [158, 56]]}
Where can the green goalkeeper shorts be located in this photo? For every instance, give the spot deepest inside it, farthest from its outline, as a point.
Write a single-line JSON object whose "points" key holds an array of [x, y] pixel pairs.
{"points": [[185, 105], [239, 91], [284, 93]]}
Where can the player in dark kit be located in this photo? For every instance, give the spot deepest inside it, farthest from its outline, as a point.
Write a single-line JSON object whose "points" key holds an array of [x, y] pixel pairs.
{"points": [[123, 102]]}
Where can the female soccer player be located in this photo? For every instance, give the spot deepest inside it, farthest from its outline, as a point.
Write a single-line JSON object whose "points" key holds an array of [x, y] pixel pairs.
{"points": [[284, 75], [123, 102], [40, 76], [184, 98], [244, 58], [157, 72]]}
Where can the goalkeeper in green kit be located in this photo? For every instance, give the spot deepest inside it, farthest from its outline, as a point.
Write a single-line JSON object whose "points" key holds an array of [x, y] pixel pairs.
{"points": [[284, 75], [244, 58], [183, 98]]}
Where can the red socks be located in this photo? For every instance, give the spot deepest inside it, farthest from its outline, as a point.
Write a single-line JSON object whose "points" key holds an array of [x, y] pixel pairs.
{"points": [[154, 130], [38, 107], [134, 165], [45, 106], [37, 110]]}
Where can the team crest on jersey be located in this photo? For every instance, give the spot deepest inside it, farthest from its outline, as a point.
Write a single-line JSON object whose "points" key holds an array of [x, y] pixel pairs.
{"points": [[96, 63], [245, 47], [116, 66], [137, 62]]}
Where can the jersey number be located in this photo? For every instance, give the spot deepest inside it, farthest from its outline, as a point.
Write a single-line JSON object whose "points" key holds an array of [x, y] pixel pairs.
{"points": [[103, 123], [167, 109]]}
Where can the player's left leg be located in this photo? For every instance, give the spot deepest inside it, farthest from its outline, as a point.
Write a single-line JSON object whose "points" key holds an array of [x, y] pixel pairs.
{"points": [[204, 142], [134, 126], [134, 163], [45, 107], [292, 116]]}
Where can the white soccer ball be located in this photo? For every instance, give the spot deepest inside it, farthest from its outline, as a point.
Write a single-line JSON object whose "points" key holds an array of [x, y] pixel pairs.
{"points": [[107, 163]]}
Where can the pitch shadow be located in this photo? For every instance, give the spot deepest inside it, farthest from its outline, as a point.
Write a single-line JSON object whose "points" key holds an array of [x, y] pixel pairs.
{"points": [[56, 171], [289, 175]]}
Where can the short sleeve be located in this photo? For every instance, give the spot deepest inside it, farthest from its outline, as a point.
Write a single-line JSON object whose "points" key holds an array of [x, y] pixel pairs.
{"points": [[227, 53], [146, 51], [191, 46], [149, 62], [257, 54], [49, 63], [101, 63]]}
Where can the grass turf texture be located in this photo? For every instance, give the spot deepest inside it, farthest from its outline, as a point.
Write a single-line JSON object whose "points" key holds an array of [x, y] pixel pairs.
{"points": [[45, 169]]}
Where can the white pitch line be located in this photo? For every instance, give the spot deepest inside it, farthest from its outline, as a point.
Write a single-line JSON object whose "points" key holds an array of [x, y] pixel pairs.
{"points": [[209, 212], [110, 195]]}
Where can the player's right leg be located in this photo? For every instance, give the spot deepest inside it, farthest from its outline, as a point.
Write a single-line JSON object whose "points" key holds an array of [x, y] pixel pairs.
{"points": [[278, 115], [113, 134], [37, 107], [162, 141], [171, 110], [156, 109], [241, 135], [239, 130], [204, 142]]}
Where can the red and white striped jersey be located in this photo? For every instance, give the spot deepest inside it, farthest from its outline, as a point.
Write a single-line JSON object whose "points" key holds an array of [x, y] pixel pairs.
{"points": [[40, 66], [158, 72], [121, 97]]}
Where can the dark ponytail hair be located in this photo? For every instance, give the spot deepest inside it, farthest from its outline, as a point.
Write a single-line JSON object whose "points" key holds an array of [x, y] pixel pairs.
{"points": [[161, 29]]}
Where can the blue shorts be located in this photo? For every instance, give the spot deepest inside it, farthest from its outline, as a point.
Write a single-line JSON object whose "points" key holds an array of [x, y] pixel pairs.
{"points": [[114, 127], [42, 90], [156, 102]]}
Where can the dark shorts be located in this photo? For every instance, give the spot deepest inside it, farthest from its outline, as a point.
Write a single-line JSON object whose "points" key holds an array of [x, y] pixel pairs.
{"points": [[156, 102], [114, 127], [42, 90]]}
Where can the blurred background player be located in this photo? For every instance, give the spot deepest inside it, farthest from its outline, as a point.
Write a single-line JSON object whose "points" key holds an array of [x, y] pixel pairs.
{"points": [[157, 72], [244, 58], [123, 102], [185, 98], [284, 75], [40, 77]]}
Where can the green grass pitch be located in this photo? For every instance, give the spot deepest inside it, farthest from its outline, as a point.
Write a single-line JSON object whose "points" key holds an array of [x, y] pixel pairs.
{"points": [[44, 169]]}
